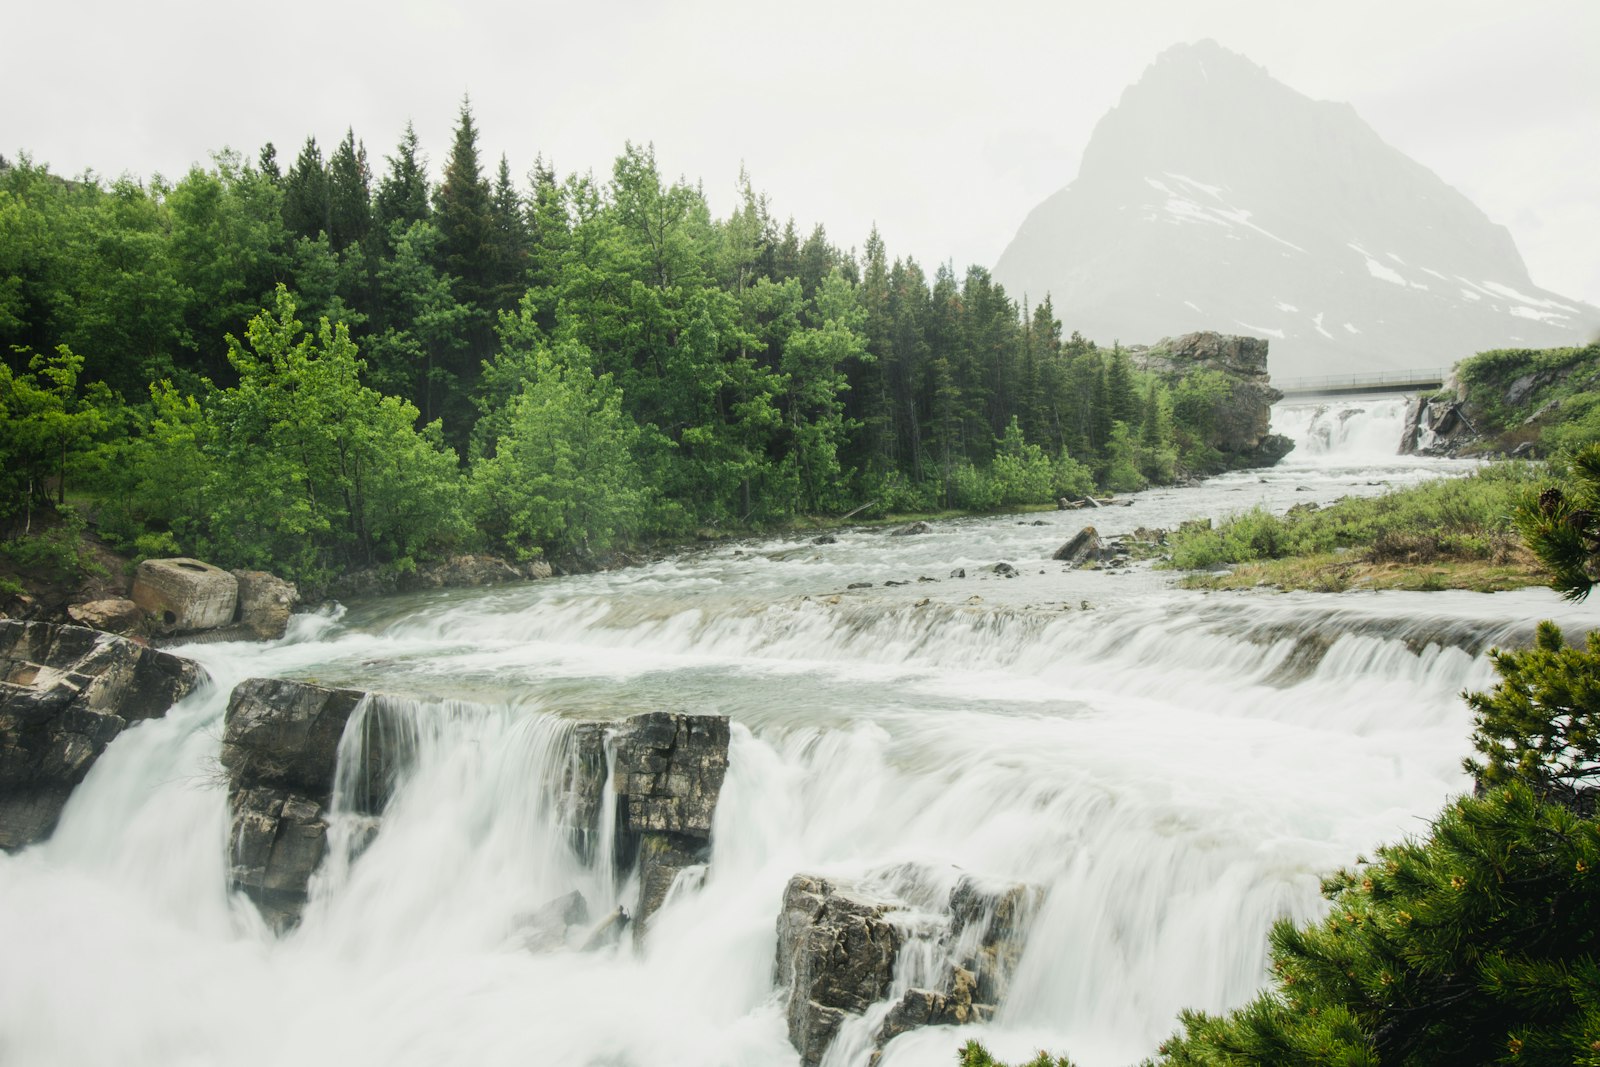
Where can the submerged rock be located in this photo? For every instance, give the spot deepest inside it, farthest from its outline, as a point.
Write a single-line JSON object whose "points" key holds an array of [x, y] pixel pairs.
{"points": [[65, 692], [911, 529]]}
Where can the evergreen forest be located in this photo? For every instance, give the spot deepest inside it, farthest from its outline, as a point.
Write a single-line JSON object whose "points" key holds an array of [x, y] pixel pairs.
{"points": [[331, 362]]}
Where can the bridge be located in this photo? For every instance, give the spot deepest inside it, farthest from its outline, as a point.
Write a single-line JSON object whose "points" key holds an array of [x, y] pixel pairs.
{"points": [[1394, 381]]}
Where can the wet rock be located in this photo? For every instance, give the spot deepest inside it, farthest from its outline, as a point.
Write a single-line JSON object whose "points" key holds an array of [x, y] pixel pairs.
{"points": [[825, 539], [1004, 570], [265, 602], [280, 747], [990, 923], [184, 595], [65, 693], [667, 774], [911, 530], [859, 585], [836, 953], [111, 616], [931, 1007], [959, 572], [895, 582], [1083, 547]]}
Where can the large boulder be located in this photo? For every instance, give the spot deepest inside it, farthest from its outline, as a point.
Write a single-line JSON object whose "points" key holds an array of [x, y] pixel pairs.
{"points": [[184, 595], [667, 773], [836, 953], [65, 692], [265, 603], [280, 749]]}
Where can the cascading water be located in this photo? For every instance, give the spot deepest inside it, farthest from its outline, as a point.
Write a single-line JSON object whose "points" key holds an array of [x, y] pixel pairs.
{"points": [[1172, 771]]}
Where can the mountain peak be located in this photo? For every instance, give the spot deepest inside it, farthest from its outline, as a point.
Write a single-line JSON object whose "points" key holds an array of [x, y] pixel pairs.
{"points": [[1214, 196]]}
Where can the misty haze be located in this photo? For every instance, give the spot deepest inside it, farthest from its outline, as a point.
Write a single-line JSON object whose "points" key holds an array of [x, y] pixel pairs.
{"points": [[865, 535]]}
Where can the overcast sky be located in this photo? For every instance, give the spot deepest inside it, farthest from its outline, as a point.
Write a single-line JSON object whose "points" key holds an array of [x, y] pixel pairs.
{"points": [[944, 123]]}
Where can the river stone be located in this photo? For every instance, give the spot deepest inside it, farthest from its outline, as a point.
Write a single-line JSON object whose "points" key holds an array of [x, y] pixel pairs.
{"points": [[1084, 546], [265, 602], [65, 692], [182, 595], [836, 953], [116, 616], [911, 530]]}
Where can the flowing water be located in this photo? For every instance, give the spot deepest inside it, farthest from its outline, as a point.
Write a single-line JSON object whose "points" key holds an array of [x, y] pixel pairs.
{"points": [[1175, 770]]}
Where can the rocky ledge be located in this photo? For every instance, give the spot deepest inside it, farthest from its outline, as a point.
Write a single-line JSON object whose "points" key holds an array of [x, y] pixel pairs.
{"points": [[281, 745], [1241, 419], [65, 692], [839, 943]]}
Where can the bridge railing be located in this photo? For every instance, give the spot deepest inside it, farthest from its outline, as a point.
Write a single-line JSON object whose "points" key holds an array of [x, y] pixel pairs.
{"points": [[1417, 378]]}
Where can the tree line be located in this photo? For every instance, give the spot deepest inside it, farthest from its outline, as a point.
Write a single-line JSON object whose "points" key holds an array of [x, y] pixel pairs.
{"points": [[339, 362]]}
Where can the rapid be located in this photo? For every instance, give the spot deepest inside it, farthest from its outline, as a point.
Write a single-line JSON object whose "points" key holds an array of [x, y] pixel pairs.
{"points": [[1175, 770]]}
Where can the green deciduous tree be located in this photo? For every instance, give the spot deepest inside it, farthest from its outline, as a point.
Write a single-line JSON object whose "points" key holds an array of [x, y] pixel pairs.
{"points": [[563, 478]]}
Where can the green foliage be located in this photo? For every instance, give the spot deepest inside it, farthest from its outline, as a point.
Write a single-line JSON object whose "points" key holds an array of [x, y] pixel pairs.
{"points": [[1540, 725], [975, 1055], [1467, 517], [765, 371], [1562, 527], [46, 420], [563, 478]]}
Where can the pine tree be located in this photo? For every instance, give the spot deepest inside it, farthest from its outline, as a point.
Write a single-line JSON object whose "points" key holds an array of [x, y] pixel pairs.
{"points": [[349, 194], [305, 194], [1563, 526], [510, 242], [402, 196], [464, 214]]}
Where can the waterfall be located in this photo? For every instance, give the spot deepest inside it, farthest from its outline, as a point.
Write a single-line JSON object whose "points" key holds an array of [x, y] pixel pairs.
{"points": [[1172, 772], [1343, 431]]}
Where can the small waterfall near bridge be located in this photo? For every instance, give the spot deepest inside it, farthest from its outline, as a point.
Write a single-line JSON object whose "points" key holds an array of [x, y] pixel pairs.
{"points": [[1342, 430]]}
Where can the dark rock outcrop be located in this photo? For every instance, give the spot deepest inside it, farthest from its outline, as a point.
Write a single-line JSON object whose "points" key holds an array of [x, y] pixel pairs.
{"points": [[65, 692], [837, 948], [836, 953], [280, 748], [667, 773], [911, 529]]}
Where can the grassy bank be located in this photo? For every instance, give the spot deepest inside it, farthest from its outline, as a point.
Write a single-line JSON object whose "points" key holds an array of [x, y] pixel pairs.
{"points": [[1454, 533]]}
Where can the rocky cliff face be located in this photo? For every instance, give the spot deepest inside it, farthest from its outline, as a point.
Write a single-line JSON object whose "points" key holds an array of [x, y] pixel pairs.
{"points": [[1214, 197], [1241, 420], [65, 692]]}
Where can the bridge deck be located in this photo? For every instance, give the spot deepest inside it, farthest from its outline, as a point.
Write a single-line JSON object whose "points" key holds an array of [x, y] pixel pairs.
{"points": [[1397, 381]]}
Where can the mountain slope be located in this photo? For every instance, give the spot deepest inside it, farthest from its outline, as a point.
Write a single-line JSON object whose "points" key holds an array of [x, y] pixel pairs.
{"points": [[1215, 197]]}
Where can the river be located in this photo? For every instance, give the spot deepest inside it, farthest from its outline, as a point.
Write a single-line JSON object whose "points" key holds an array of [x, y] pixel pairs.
{"points": [[1175, 769]]}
